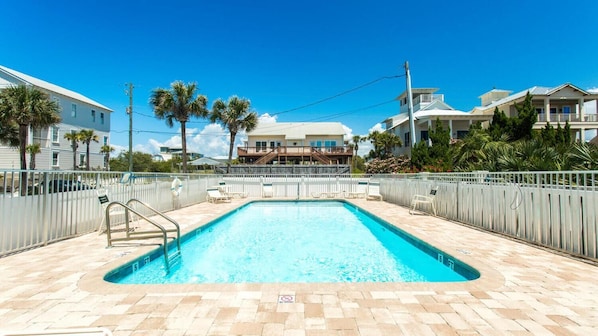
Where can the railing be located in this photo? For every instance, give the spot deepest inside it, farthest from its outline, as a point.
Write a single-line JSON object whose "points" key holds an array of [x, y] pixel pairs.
{"points": [[293, 150], [570, 117], [553, 209]]}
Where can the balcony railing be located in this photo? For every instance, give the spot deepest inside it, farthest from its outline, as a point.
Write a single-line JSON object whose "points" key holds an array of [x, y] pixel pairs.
{"points": [[570, 117], [294, 150]]}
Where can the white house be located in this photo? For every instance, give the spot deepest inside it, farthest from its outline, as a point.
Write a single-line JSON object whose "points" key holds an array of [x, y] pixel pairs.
{"points": [[565, 102], [77, 112], [427, 108]]}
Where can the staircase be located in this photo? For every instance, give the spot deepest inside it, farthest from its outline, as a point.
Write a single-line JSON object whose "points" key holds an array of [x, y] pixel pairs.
{"points": [[321, 157], [267, 158]]}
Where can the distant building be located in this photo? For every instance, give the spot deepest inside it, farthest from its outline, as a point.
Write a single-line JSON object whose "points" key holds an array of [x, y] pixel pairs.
{"points": [[77, 112], [296, 143], [168, 153], [565, 102], [427, 108]]}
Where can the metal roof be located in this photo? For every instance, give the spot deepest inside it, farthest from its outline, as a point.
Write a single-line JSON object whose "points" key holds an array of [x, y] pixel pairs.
{"points": [[298, 130], [26, 79]]}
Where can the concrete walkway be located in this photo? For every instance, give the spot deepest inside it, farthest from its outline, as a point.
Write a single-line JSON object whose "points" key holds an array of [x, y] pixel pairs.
{"points": [[523, 290]]}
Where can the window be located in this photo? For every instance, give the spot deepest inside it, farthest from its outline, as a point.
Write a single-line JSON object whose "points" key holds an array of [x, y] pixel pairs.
{"points": [[74, 110], [553, 110], [105, 141], [567, 109], [424, 135], [93, 115], [55, 134], [54, 159], [102, 118], [260, 146], [407, 139], [56, 100], [81, 159], [272, 144], [539, 110], [36, 134]]}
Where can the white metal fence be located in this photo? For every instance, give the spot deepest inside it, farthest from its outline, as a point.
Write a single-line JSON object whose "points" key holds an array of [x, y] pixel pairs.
{"points": [[554, 209]]}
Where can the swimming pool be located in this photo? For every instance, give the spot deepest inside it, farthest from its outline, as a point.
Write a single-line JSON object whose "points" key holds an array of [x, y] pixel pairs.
{"points": [[298, 241]]}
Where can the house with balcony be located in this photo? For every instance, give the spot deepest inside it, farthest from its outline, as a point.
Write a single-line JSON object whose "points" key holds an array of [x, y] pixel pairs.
{"points": [[560, 104], [428, 107], [77, 112], [302, 143], [169, 153]]}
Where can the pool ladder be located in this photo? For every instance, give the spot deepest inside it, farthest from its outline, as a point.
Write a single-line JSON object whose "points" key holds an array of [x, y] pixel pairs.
{"points": [[136, 235]]}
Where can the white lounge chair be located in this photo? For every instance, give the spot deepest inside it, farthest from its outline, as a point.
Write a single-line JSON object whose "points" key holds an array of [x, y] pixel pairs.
{"points": [[374, 191], [360, 190], [214, 196], [423, 199], [225, 189], [267, 190]]}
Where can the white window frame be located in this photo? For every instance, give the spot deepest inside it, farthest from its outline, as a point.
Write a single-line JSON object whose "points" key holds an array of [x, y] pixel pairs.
{"points": [[105, 140], [55, 134], [55, 159], [102, 118], [93, 116], [73, 110]]}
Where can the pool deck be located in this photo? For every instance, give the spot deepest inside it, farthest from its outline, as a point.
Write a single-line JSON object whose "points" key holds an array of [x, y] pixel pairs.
{"points": [[523, 290]]}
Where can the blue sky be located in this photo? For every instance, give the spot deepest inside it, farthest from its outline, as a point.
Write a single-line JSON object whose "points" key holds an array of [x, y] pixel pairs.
{"points": [[282, 55]]}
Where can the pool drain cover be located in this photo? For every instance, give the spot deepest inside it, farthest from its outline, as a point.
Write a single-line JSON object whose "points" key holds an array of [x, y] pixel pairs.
{"points": [[286, 299]]}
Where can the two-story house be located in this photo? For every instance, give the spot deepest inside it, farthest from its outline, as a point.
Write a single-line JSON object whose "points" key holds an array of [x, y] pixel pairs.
{"points": [[428, 107], [77, 112], [558, 104], [297, 143]]}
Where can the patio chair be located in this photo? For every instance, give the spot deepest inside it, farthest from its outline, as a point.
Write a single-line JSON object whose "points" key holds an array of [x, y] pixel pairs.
{"points": [[225, 189], [267, 190], [423, 199], [360, 190], [214, 196], [374, 191]]}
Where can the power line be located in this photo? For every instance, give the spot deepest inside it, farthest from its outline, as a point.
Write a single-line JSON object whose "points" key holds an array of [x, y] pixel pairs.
{"points": [[339, 94]]}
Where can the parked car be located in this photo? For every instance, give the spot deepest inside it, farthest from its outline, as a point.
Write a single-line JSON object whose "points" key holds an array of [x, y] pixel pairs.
{"points": [[55, 186]]}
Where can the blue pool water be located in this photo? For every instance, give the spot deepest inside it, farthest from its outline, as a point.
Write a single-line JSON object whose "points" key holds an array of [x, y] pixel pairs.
{"points": [[298, 241]]}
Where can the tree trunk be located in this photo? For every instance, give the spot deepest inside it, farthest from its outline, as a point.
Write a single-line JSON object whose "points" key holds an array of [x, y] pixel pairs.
{"points": [[230, 151], [23, 135], [184, 143], [87, 157], [74, 145]]}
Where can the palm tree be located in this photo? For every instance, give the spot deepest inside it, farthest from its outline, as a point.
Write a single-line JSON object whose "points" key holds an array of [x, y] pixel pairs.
{"points": [[87, 136], [33, 150], [106, 150], [26, 107], [235, 116], [356, 140], [180, 103], [74, 138]]}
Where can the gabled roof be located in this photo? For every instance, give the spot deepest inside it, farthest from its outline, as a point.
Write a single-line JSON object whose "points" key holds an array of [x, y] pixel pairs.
{"points": [[298, 130], [26, 79], [434, 113], [534, 91]]}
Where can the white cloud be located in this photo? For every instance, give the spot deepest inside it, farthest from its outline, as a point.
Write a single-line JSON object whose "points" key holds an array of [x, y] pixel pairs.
{"points": [[267, 119], [593, 90]]}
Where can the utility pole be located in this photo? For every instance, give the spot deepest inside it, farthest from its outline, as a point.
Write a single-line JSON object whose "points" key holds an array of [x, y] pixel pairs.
{"points": [[410, 105], [130, 113]]}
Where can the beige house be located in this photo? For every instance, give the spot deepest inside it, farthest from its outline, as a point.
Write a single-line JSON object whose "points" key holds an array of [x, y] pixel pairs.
{"points": [[560, 104], [565, 102], [296, 143]]}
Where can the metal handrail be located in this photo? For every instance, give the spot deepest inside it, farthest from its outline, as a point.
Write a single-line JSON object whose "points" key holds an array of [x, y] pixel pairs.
{"points": [[162, 233]]}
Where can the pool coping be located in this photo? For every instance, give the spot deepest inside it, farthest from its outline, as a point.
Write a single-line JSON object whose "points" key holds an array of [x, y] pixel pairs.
{"points": [[489, 277]]}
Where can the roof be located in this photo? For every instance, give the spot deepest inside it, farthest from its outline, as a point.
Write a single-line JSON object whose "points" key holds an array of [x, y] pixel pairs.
{"points": [[434, 113], [26, 79], [299, 130], [205, 161], [534, 91]]}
